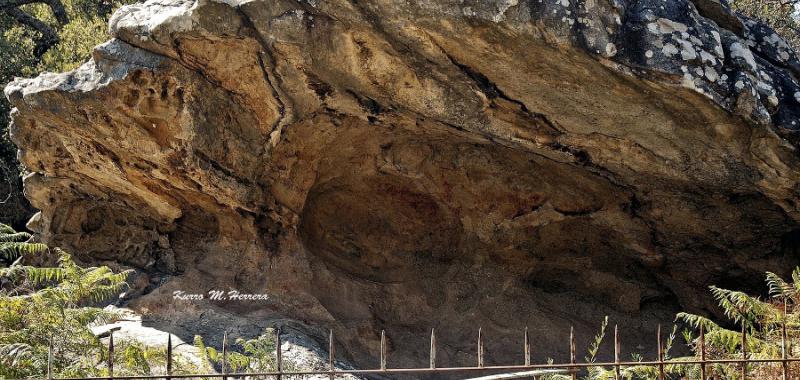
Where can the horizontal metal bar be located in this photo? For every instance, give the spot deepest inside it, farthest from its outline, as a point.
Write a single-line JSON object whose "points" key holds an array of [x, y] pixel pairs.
{"points": [[519, 375], [446, 369]]}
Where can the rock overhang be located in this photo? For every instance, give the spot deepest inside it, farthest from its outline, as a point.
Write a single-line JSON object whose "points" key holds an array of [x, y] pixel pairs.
{"points": [[392, 164]]}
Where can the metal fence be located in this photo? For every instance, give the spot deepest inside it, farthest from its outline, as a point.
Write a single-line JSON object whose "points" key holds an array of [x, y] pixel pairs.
{"points": [[571, 369]]}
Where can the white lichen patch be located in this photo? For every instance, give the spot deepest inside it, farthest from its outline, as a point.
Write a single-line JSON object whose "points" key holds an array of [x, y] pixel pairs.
{"points": [[611, 49], [688, 81], [687, 50], [503, 7], [773, 100], [765, 88], [708, 57], [648, 54], [667, 26], [669, 50], [718, 50], [740, 51], [711, 74]]}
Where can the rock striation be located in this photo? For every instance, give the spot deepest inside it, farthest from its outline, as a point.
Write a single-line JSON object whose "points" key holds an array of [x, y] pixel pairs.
{"points": [[386, 164]]}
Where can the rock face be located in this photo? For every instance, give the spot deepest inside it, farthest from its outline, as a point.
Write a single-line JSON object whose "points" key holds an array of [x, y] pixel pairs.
{"points": [[385, 164]]}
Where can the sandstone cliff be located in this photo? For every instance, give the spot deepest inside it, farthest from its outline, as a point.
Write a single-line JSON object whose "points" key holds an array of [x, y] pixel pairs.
{"points": [[404, 165]]}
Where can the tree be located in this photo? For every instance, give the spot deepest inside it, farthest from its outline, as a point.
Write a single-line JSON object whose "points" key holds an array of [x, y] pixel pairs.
{"points": [[36, 36], [47, 35]]}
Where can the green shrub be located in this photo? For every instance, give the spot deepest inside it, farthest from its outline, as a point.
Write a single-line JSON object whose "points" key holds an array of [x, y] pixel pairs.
{"points": [[40, 305]]}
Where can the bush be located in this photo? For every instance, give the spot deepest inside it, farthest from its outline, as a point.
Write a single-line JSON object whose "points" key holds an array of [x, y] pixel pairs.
{"points": [[762, 319], [40, 306]]}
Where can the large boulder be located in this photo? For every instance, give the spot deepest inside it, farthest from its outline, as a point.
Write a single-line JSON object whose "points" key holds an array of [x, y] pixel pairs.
{"points": [[387, 164]]}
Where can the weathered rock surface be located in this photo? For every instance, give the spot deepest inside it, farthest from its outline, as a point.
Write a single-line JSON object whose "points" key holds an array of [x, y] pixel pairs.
{"points": [[384, 164]]}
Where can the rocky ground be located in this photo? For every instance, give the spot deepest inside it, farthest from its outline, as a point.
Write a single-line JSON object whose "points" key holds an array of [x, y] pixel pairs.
{"points": [[299, 352], [382, 164]]}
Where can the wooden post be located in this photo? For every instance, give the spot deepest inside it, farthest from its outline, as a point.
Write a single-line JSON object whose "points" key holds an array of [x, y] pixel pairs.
{"points": [[111, 354], [617, 349], [784, 347], [433, 348], [383, 350], [703, 353], [527, 348], [480, 347], [744, 350], [278, 354], [660, 356], [225, 355], [331, 366], [169, 356], [573, 370], [50, 358]]}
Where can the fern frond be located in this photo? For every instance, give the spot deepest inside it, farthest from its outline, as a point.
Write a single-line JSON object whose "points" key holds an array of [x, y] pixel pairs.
{"points": [[42, 275], [18, 237], [13, 354], [13, 250], [6, 229], [739, 306], [598, 340], [796, 280], [778, 287], [695, 321]]}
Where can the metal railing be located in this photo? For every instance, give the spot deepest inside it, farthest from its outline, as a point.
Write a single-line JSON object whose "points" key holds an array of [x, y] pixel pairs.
{"points": [[572, 368]]}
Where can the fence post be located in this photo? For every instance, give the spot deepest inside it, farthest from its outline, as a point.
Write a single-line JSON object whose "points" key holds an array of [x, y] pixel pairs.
{"points": [[50, 358], [331, 367], [527, 348], [111, 355], [169, 356], [278, 354], [660, 356], [573, 369], [617, 371], [225, 355], [433, 348], [383, 350], [480, 347], [702, 352], [744, 349], [784, 348]]}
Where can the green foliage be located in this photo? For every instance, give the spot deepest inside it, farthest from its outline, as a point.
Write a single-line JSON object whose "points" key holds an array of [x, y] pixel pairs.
{"points": [[597, 373], [254, 355], [78, 38], [133, 358], [10, 251], [762, 319], [43, 304], [86, 28]]}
